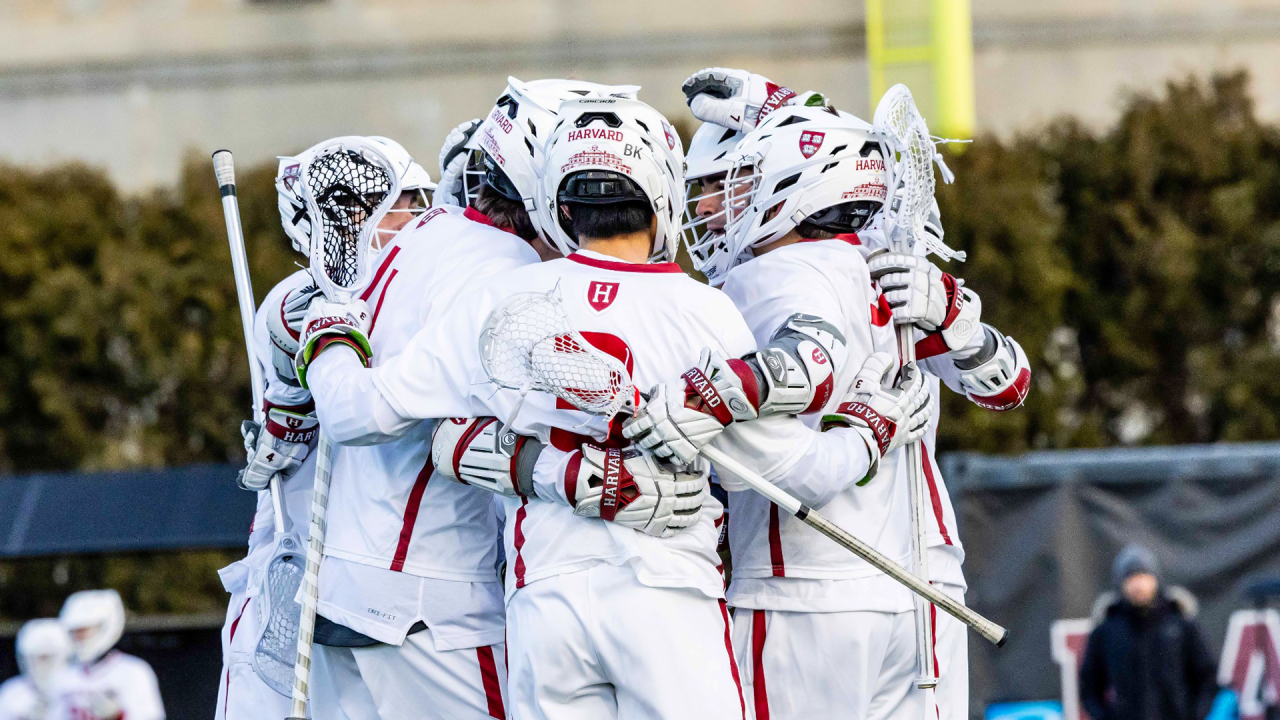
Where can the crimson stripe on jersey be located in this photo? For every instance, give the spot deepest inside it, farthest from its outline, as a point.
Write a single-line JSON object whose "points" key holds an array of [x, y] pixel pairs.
{"points": [[933, 633], [775, 542], [519, 540], [620, 266], [411, 515], [934, 498], [881, 313], [226, 696], [381, 296], [760, 692], [489, 680], [377, 276], [851, 238], [733, 663], [477, 216]]}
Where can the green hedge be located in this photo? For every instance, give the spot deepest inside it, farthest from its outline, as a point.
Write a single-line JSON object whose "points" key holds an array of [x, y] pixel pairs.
{"points": [[1138, 266]]}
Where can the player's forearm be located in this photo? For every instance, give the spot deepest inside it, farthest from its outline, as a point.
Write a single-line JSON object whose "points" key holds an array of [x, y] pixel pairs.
{"points": [[351, 409], [812, 466], [835, 461]]}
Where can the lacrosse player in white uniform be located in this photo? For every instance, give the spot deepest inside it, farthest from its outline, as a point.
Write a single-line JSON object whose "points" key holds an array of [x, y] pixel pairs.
{"points": [[285, 446], [43, 649], [102, 683], [970, 357], [820, 633]]}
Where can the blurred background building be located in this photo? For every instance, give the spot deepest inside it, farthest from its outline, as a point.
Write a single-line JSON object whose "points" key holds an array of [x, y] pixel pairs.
{"points": [[133, 85]]}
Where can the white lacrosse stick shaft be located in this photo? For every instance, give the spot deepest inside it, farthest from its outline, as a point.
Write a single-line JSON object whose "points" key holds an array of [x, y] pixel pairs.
{"points": [[913, 175], [311, 578], [225, 170], [984, 627]]}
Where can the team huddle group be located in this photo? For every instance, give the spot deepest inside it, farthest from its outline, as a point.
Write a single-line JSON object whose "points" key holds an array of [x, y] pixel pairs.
{"points": [[610, 530]]}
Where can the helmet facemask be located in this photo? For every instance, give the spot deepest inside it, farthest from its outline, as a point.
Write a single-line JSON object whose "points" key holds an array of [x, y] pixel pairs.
{"points": [[349, 188]]}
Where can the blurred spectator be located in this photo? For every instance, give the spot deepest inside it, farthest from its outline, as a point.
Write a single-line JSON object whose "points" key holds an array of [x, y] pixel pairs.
{"points": [[1146, 659]]}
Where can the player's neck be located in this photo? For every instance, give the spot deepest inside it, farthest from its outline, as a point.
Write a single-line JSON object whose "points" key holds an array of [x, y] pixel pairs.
{"points": [[790, 238], [631, 247]]}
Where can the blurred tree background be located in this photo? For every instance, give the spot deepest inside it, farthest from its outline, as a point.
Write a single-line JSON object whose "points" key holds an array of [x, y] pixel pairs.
{"points": [[1138, 266]]}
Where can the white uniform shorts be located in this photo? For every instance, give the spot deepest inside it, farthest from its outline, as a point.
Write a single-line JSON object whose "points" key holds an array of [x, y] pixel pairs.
{"points": [[241, 694], [598, 645], [413, 680], [951, 656], [857, 665]]}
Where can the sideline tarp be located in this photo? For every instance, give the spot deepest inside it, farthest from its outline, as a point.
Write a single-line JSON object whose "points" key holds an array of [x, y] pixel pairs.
{"points": [[1040, 531], [197, 506]]}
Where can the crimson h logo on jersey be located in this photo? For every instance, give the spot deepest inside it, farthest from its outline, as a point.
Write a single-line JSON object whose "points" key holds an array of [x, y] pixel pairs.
{"points": [[600, 295], [810, 141]]}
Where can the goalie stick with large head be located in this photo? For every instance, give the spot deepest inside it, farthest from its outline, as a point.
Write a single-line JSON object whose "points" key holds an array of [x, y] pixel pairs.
{"points": [[528, 344], [911, 188]]}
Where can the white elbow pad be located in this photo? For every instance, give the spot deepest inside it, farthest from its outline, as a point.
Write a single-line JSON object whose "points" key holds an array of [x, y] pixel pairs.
{"points": [[799, 366], [998, 376]]}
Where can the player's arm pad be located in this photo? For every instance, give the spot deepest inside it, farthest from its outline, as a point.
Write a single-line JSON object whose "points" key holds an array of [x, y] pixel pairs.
{"points": [[796, 370], [480, 453], [997, 376]]}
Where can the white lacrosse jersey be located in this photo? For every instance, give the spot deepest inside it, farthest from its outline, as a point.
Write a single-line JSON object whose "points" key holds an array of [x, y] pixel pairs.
{"points": [[778, 562], [19, 700], [652, 317], [295, 500], [127, 680], [385, 509]]}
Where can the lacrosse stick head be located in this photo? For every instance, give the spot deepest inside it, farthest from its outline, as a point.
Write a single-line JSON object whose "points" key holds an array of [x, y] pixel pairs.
{"points": [[911, 174], [348, 185], [528, 344]]}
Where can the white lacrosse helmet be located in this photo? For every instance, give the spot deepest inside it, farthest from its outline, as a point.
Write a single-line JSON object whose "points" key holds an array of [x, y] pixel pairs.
{"points": [[415, 182], [510, 139], [95, 621], [596, 143], [804, 163], [348, 186], [710, 157], [43, 648]]}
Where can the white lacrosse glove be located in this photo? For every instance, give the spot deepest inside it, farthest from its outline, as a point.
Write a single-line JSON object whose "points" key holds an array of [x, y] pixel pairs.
{"points": [[630, 487], [281, 449], [105, 706], [932, 300], [888, 414], [453, 163], [682, 416], [477, 452], [285, 326], [329, 323], [734, 99]]}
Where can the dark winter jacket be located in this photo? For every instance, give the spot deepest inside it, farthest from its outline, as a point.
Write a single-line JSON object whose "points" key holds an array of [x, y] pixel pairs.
{"points": [[1147, 665]]}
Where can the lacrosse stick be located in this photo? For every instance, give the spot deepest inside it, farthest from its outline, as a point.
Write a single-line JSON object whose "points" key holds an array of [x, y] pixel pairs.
{"points": [[283, 572], [529, 344], [348, 187], [912, 156]]}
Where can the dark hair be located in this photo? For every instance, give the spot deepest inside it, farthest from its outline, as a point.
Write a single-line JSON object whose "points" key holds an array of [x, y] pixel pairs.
{"points": [[599, 221], [809, 231], [505, 213]]}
